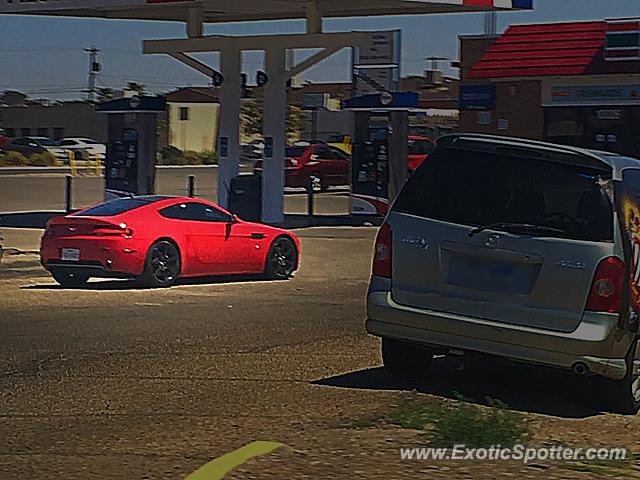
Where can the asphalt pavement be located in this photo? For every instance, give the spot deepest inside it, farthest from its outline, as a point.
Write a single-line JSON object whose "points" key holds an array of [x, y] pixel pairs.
{"points": [[37, 192], [113, 381]]}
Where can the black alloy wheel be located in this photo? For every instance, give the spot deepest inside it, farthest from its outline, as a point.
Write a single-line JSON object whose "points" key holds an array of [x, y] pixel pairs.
{"points": [[281, 259], [162, 265]]}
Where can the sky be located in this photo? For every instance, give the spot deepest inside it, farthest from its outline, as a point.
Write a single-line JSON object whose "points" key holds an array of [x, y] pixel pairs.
{"points": [[44, 57]]}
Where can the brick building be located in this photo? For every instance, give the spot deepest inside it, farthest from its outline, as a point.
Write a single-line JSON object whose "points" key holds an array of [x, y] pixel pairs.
{"points": [[572, 83]]}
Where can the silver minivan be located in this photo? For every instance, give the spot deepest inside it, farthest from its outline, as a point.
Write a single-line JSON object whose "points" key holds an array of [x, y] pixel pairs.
{"points": [[518, 249]]}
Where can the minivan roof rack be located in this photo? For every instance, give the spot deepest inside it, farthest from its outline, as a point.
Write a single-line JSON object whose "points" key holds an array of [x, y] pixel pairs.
{"points": [[525, 143], [550, 151]]}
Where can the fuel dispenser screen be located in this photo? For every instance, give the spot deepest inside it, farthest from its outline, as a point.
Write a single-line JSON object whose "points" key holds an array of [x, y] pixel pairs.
{"points": [[122, 163], [370, 168]]}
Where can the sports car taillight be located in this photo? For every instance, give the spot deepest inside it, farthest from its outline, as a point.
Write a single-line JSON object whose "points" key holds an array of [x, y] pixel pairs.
{"points": [[382, 252], [112, 230], [606, 288]]}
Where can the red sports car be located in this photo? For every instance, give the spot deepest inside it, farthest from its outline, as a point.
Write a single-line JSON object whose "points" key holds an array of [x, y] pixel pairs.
{"points": [[313, 166], [158, 239], [418, 149]]}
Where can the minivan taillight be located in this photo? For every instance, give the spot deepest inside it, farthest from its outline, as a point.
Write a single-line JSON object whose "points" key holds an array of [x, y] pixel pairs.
{"points": [[382, 252], [606, 288]]}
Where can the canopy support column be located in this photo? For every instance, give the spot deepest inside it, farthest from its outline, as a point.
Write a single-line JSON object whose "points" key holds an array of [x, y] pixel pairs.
{"points": [[229, 122]]}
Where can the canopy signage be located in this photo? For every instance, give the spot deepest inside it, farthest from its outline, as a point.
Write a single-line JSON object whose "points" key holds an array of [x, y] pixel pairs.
{"points": [[589, 95]]}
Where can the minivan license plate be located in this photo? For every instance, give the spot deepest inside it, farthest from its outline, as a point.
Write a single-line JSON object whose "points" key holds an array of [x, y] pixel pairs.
{"points": [[70, 254]]}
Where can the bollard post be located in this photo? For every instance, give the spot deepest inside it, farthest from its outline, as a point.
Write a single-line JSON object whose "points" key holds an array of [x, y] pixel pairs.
{"points": [[68, 179], [191, 186], [310, 202], [72, 162]]}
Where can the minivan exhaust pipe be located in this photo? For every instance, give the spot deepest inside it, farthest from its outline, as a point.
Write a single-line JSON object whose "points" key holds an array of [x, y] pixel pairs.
{"points": [[580, 368]]}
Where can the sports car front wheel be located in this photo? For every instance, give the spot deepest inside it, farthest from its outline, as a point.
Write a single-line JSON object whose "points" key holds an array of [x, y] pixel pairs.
{"points": [[281, 259], [162, 265]]}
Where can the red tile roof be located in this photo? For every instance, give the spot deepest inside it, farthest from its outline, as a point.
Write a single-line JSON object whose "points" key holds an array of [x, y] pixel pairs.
{"points": [[542, 50]]}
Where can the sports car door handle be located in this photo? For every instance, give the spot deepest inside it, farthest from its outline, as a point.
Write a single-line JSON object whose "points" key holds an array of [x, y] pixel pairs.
{"points": [[257, 236]]}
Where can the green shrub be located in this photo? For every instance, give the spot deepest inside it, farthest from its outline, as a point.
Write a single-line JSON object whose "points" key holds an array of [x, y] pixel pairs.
{"points": [[44, 159], [14, 159], [2, 162], [209, 157], [475, 426], [464, 423], [191, 158], [170, 152], [173, 156]]}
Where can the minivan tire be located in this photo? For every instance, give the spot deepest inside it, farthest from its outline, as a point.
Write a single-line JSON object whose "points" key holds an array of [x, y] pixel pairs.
{"points": [[404, 360], [621, 398]]}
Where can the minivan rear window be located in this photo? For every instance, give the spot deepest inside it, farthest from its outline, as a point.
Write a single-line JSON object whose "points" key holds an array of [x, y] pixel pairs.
{"points": [[479, 188]]}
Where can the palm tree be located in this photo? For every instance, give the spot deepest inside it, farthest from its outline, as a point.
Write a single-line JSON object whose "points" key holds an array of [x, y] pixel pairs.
{"points": [[136, 87]]}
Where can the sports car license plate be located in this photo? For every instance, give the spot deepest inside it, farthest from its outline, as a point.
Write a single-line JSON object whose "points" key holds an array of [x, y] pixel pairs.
{"points": [[70, 254]]}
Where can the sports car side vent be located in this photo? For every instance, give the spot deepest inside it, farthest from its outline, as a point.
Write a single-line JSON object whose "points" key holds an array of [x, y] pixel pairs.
{"points": [[257, 236]]}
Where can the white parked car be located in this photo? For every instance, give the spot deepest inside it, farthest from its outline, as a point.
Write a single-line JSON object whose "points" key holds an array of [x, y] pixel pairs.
{"points": [[84, 147], [30, 145]]}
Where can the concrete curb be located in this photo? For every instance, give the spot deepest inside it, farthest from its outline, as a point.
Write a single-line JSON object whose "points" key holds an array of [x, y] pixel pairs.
{"points": [[67, 170]]}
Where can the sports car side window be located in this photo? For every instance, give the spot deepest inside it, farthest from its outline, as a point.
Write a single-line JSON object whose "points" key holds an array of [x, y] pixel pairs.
{"points": [[198, 212]]}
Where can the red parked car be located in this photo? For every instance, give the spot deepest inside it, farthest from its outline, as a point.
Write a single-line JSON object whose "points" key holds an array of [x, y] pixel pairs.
{"points": [[158, 239], [3, 139], [314, 166], [418, 149]]}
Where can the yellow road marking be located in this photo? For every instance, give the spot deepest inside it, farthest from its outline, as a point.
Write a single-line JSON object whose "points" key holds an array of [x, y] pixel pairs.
{"points": [[218, 468]]}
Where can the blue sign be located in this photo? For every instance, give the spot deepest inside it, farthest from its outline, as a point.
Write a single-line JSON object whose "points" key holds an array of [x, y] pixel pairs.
{"points": [[268, 147], [224, 146], [383, 101], [523, 4], [477, 97]]}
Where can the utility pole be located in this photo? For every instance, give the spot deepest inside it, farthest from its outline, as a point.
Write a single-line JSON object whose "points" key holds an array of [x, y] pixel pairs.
{"points": [[94, 68]]}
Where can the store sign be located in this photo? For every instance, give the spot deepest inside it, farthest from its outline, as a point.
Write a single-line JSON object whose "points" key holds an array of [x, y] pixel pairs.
{"points": [[380, 49], [376, 65], [586, 95], [609, 114], [503, 124], [477, 97], [315, 100]]}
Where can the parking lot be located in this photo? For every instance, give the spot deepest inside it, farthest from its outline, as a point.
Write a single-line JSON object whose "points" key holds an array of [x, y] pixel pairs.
{"points": [[113, 381], [46, 191]]}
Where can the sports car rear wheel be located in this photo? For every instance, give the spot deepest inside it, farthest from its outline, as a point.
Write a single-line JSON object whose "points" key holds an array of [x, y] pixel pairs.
{"points": [[68, 278], [162, 266], [281, 259]]}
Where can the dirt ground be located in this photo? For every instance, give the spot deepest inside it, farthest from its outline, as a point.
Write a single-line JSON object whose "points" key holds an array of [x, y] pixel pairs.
{"points": [[114, 382]]}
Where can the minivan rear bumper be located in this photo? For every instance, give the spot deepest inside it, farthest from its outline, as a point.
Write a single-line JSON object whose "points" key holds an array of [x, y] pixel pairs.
{"points": [[594, 343]]}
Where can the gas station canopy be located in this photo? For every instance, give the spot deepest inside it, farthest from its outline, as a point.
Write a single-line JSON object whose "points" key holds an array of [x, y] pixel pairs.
{"points": [[136, 137], [214, 11]]}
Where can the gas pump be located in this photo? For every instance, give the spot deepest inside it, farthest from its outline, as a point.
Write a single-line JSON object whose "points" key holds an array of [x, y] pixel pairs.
{"points": [[131, 145], [379, 154], [370, 164]]}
